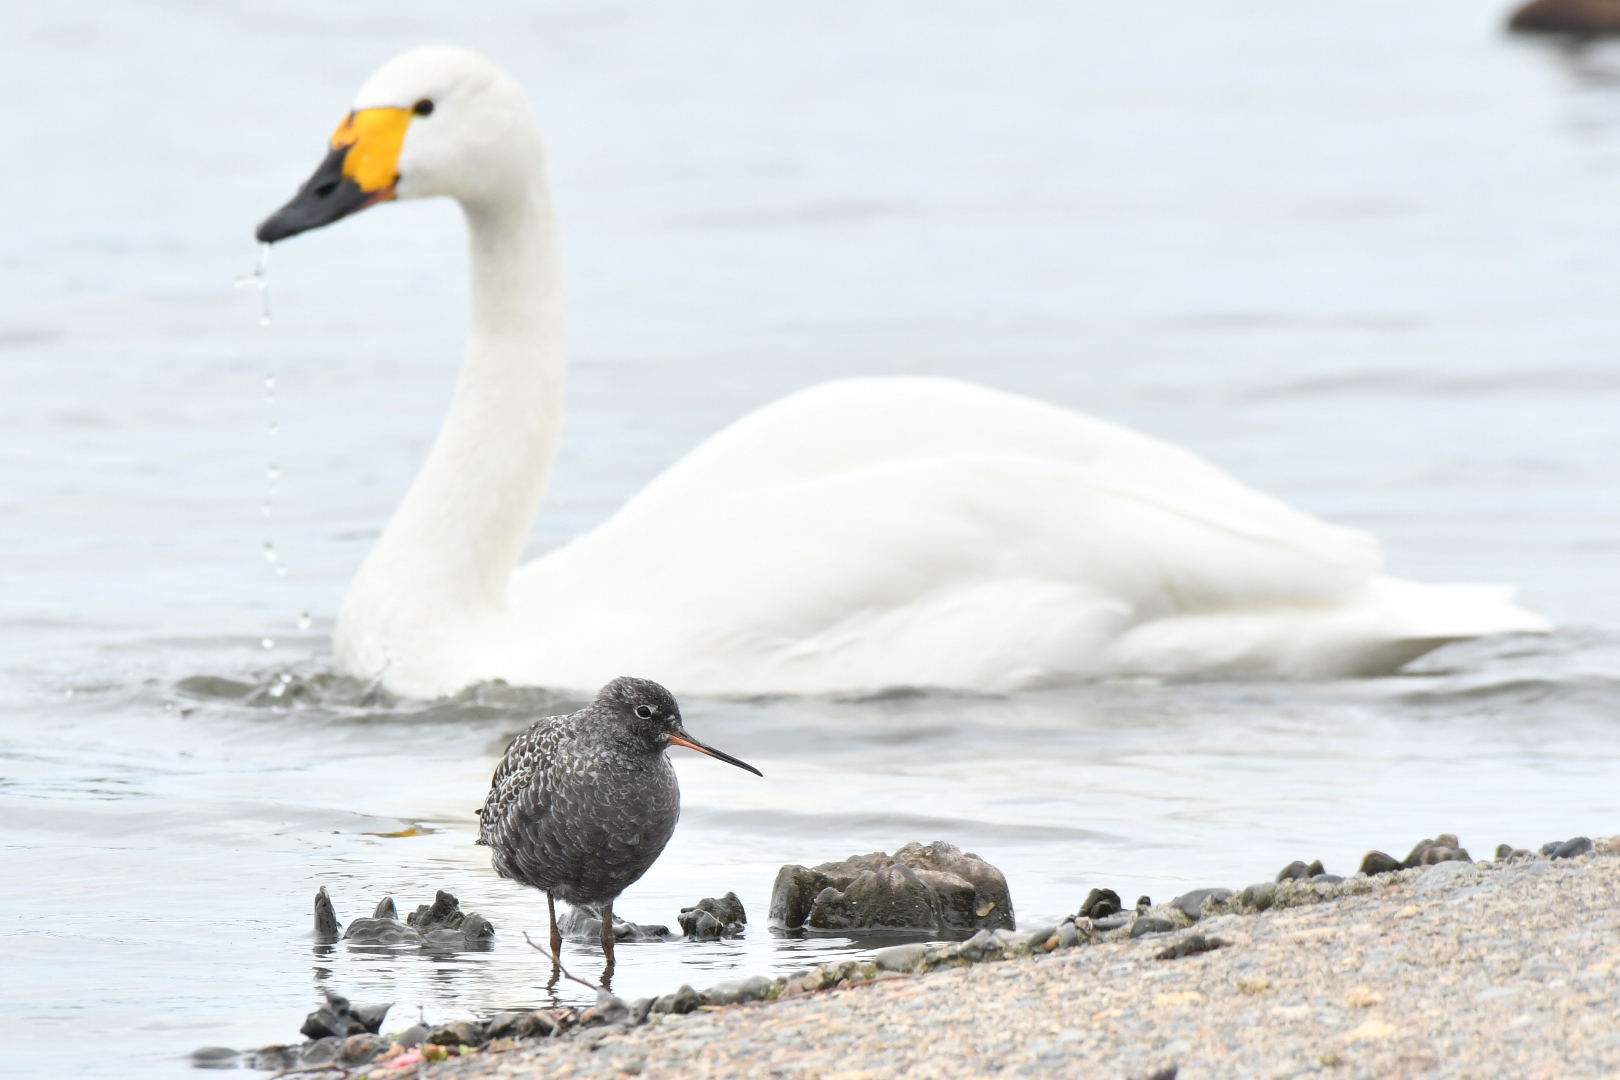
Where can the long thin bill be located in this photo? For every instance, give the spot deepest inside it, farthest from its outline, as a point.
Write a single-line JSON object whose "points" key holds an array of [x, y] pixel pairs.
{"points": [[692, 744]]}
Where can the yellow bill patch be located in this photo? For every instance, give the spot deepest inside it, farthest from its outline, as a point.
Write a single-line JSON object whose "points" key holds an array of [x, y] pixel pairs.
{"points": [[373, 137]]}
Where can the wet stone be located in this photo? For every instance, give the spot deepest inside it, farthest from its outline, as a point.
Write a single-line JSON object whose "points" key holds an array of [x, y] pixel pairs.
{"points": [[1443, 848], [214, 1057], [1192, 904], [735, 991], [327, 927], [1377, 862], [710, 919], [362, 1049], [1569, 849], [682, 1001], [929, 888], [1151, 924], [1508, 853], [338, 1018], [458, 1033], [1259, 896], [1100, 903], [900, 957], [1190, 945]]}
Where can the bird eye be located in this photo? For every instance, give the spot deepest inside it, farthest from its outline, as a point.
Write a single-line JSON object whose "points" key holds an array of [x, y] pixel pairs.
{"points": [[423, 107], [644, 711]]}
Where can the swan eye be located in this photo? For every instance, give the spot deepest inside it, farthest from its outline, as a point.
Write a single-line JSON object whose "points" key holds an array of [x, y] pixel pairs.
{"points": [[423, 107], [644, 711]]}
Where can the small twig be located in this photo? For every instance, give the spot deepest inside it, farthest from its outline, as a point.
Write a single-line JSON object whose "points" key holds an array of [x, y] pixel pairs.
{"points": [[558, 964]]}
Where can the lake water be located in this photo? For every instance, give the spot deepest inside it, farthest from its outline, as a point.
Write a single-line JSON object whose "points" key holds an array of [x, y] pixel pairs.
{"points": [[1365, 255]]}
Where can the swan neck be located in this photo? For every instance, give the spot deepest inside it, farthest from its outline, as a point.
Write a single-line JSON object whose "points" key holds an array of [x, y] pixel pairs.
{"points": [[448, 553]]}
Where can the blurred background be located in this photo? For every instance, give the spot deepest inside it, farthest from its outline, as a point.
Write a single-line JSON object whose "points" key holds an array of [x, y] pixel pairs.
{"points": [[1362, 255]]}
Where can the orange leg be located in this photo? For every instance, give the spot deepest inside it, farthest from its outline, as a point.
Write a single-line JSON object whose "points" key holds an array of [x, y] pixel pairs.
{"points": [[607, 942]]}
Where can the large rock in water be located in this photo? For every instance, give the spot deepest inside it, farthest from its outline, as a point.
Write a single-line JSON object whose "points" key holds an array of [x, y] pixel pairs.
{"points": [[937, 888]]}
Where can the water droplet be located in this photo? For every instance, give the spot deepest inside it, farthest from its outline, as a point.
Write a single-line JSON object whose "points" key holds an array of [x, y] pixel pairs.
{"points": [[285, 678], [303, 624], [275, 428], [272, 473], [70, 692], [269, 384], [281, 571], [267, 508], [278, 689], [270, 555], [260, 279], [268, 643]]}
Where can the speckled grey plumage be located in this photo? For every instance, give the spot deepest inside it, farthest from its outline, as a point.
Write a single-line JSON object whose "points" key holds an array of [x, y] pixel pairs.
{"points": [[582, 805]]}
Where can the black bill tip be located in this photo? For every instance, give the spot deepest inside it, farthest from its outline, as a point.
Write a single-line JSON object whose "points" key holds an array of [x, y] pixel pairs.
{"points": [[325, 197]]}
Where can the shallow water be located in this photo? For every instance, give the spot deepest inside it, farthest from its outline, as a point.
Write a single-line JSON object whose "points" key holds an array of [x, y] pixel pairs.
{"points": [[1363, 255]]}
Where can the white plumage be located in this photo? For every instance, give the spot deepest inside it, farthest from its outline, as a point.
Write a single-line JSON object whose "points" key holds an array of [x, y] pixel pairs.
{"points": [[856, 535]]}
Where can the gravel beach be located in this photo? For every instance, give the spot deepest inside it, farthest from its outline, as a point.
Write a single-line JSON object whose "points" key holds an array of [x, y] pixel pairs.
{"points": [[1468, 970]]}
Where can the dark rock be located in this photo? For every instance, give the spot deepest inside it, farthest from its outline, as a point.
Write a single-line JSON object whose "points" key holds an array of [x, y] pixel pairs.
{"points": [[640, 1009], [682, 1001], [458, 1033], [981, 946], [320, 1052], [1151, 924], [274, 1058], [1259, 895], [381, 932], [444, 912], [362, 1049], [1189, 946], [1580, 845], [1443, 848], [505, 1025], [1576, 18], [544, 1023], [794, 894], [1166, 1073], [926, 888], [900, 957], [415, 1035], [327, 927], [1192, 904], [337, 1018], [1100, 903], [579, 924], [1315, 868], [893, 898], [386, 910], [1143, 903], [1507, 852], [1377, 862], [736, 991], [709, 918], [214, 1057], [1113, 922], [608, 1010], [1294, 871]]}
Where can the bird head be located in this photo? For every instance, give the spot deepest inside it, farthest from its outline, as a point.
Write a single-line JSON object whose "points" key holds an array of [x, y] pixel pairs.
{"points": [[437, 120], [650, 711]]}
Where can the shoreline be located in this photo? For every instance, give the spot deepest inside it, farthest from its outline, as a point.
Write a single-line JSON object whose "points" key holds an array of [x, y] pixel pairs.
{"points": [[1507, 968]]}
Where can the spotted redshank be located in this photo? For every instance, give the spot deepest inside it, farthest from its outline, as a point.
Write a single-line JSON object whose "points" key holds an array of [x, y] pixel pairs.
{"points": [[582, 805]]}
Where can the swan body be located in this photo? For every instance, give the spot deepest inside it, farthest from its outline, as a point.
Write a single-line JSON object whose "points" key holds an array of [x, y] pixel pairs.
{"points": [[857, 535]]}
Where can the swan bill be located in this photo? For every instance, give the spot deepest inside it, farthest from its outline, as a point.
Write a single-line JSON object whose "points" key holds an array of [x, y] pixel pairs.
{"points": [[360, 170]]}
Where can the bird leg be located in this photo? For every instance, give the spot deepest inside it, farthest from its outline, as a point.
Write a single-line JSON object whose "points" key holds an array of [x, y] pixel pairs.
{"points": [[607, 943], [556, 941]]}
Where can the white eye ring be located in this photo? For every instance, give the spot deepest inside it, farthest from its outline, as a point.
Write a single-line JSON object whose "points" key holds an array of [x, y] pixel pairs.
{"points": [[644, 711]]}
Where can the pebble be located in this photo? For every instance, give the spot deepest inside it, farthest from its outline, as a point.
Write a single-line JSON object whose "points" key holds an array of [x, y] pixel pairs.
{"points": [[1361, 977], [1192, 904]]}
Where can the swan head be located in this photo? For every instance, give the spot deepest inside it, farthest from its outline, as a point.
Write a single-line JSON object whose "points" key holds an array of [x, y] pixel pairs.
{"points": [[437, 120]]}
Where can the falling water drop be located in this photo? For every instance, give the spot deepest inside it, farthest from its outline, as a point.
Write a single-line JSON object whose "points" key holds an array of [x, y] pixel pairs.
{"points": [[260, 279], [267, 508], [270, 555], [274, 429], [268, 643], [269, 384], [303, 624], [281, 571], [272, 473]]}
